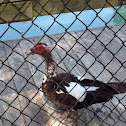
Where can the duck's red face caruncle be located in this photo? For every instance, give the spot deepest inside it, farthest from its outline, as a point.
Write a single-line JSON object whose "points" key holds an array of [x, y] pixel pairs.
{"points": [[38, 49]]}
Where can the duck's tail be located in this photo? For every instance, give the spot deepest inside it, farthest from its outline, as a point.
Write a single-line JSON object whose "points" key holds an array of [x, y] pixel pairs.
{"points": [[119, 87]]}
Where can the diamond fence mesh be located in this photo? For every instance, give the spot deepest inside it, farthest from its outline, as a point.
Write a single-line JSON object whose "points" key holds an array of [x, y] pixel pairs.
{"points": [[94, 53]]}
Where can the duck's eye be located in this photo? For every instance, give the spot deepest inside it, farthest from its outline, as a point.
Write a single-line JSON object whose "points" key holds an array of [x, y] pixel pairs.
{"points": [[31, 49]]}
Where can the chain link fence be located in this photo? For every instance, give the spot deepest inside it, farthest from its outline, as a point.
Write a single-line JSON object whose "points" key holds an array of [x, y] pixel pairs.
{"points": [[97, 53]]}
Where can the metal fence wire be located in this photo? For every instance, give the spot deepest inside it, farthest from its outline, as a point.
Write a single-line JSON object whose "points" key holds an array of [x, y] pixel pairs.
{"points": [[98, 54]]}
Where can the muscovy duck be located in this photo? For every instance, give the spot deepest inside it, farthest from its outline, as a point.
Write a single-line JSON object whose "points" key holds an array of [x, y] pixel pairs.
{"points": [[70, 91]]}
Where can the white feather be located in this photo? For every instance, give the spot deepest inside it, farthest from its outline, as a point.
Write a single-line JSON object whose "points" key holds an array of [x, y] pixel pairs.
{"points": [[59, 92], [44, 78], [80, 78], [78, 91], [91, 88]]}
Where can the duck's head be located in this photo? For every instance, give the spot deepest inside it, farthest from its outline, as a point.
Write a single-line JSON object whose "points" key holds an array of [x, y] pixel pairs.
{"points": [[40, 49]]}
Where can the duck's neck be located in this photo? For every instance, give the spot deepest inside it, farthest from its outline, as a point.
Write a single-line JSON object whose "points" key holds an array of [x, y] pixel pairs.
{"points": [[50, 67]]}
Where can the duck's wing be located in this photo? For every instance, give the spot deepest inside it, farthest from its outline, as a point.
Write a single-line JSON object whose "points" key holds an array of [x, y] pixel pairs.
{"points": [[103, 94]]}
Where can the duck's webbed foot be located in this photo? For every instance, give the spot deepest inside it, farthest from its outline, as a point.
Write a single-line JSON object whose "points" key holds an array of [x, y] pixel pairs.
{"points": [[72, 114], [68, 118], [68, 114]]}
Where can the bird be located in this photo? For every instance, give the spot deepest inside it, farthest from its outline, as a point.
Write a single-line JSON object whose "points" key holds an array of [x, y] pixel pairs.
{"points": [[73, 92]]}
